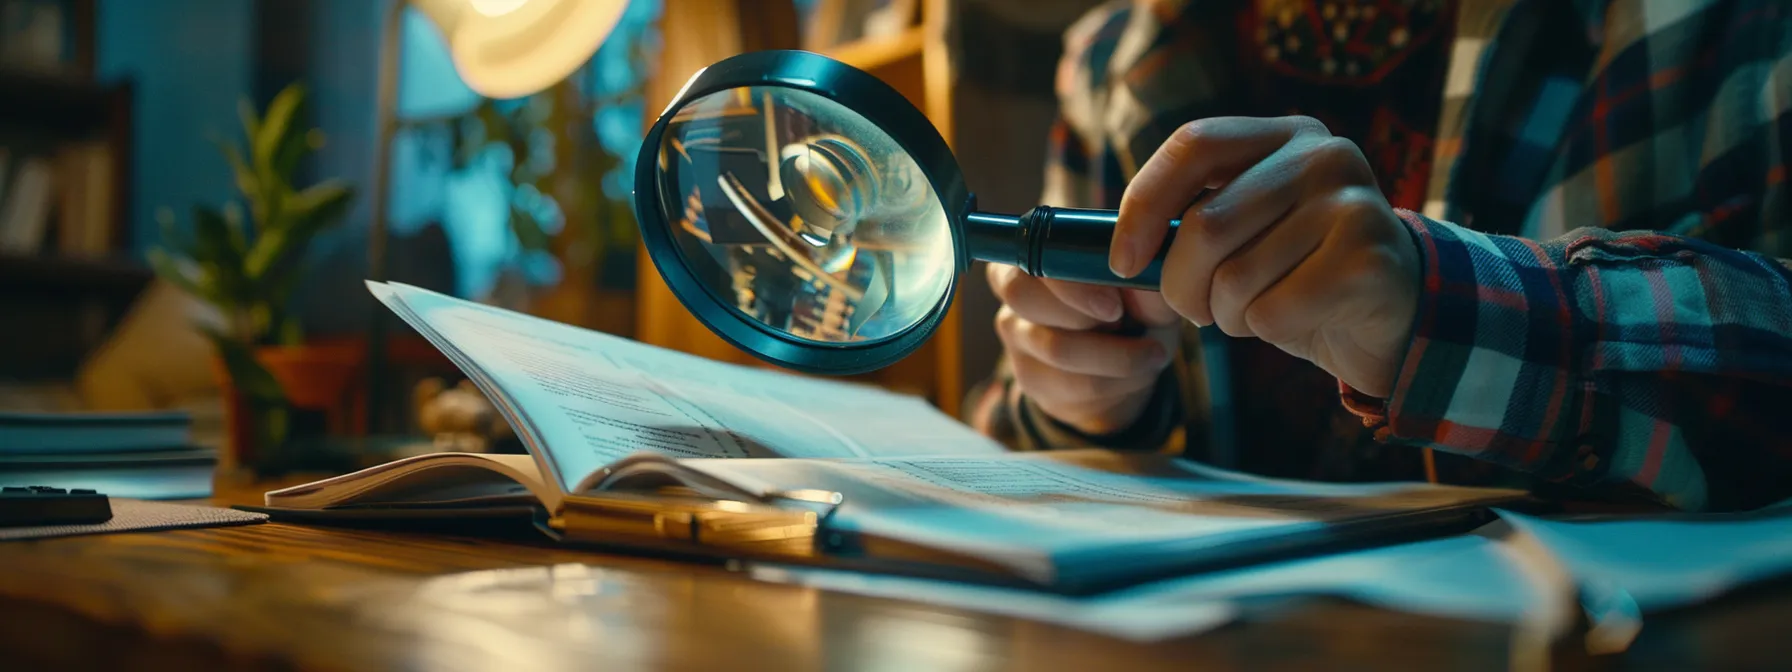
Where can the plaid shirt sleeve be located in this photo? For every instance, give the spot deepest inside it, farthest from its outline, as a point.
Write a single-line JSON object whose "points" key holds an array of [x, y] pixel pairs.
{"points": [[1636, 360], [1646, 343]]}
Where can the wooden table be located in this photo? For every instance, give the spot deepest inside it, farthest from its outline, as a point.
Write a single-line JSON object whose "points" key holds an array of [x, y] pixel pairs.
{"points": [[278, 596]]}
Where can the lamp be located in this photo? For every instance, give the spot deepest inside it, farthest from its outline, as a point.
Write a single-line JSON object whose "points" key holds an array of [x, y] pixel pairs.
{"points": [[501, 49]]}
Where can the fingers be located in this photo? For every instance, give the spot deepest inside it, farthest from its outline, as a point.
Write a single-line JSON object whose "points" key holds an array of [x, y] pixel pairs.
{"points": [[1238, 280], [1066, 305], [1071, 396], [1347, 307], [1200, 154], [1150, 308], [1239, 214], [1089, 353], [1219, 226]]}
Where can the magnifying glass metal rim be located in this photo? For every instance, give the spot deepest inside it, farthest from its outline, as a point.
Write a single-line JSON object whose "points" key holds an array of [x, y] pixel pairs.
{"points": [[879, 104]]}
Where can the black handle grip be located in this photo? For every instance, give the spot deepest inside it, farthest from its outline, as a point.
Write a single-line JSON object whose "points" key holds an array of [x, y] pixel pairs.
{"points": [[1060, 243], [1073, 245]]}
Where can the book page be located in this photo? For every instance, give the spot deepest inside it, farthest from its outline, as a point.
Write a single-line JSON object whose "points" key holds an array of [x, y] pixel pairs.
{"points": [[584, 399]]}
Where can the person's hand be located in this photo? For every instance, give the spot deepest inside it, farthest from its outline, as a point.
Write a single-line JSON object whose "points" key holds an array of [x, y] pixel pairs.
{"points": [[1294, 245], [1066, 357]]}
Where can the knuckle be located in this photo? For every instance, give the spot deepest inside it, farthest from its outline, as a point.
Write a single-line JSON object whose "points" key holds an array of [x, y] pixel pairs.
{"points": [[1003, 282], [1181, 297], [1307, 125], [1267, 320], [1229, 278], [1232, 327], [1366, 213], [1333, 151], [1190, 135], [1354, 203], [997, 278], [1005, 321], [1048, 344], [1206, 224]]}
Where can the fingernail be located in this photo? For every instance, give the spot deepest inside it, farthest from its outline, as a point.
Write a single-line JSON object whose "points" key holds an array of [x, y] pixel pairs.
{"points": [[1105, 307], [1121, 261]]}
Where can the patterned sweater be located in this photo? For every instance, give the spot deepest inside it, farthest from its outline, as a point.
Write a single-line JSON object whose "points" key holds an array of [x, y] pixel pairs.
{"points": [[1605, 307]]}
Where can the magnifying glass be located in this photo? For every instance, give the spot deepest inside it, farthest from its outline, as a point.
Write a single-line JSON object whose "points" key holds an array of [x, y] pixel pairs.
{"points": [[807, 213]]}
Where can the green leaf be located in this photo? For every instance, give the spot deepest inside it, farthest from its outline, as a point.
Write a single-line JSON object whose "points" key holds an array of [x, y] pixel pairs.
{"points": [[322, 204], [276, 126], [239, 237], [247, 181], [248, 375], [268, 250], [320, 207], [246, 113], [212, 238], [167, 267], [287, 332], [307, 212], [216, 252]]}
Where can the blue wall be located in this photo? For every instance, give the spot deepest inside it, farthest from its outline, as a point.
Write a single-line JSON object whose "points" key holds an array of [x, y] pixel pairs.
{"points": [[190, 61]]}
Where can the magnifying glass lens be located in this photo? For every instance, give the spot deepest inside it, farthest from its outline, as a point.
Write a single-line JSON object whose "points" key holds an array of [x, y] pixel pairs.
{"points": [[803, 215]]}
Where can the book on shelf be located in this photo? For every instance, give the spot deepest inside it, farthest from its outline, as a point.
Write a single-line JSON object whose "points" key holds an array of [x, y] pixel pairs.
{"points": [[634, 447]]}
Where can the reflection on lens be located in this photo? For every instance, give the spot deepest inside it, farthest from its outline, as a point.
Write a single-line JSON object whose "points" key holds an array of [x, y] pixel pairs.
{"points": [[804, 215]]}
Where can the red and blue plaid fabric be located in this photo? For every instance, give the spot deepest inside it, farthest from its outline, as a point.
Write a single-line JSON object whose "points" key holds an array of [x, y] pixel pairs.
{"points": [[1604, 303]]}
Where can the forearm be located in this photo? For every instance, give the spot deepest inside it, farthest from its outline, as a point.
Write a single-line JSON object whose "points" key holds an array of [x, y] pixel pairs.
{"points": [[1601, 358]]}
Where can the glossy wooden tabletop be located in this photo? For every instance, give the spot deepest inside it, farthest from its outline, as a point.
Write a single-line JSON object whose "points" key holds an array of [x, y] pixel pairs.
{"points": [[276, 596]]}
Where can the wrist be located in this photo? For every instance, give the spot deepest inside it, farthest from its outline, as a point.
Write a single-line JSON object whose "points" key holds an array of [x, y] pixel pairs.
{"points": [[1154, 425]]}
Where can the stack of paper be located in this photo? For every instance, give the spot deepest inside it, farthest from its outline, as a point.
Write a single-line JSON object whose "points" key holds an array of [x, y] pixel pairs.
{"points": [[1522, 570]]}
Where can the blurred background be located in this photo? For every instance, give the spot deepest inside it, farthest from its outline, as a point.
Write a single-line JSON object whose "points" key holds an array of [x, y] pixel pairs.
{"points": [[140, 139]]}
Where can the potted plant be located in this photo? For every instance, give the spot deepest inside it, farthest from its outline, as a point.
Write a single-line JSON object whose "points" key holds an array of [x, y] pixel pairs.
{"points": [[247, 271]]}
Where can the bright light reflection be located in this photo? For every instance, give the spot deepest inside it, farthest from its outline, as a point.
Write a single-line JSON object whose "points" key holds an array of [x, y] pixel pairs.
{"points": [[496, 7]]}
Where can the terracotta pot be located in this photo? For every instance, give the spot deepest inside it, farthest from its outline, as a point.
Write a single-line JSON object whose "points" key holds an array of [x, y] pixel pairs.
{"points": [[321, 377], [316, 377]]}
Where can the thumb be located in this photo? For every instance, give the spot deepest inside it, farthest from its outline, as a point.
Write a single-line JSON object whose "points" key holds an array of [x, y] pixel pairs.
{"points": [[1150, 308]]}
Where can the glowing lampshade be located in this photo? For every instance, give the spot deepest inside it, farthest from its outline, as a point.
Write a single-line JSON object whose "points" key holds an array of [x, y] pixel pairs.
{"points": [[514, 48]]}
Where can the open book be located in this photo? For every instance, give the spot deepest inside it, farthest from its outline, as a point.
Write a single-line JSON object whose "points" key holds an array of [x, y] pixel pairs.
{"points": [[636, 447]]}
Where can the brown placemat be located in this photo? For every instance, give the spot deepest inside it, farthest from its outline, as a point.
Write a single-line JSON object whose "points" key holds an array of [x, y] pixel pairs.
{"points": [[136, 515]]}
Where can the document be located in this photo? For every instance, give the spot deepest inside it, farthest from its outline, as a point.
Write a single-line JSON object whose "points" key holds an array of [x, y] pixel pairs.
{"points": [[640, 447], [594, 399], [1058, 515], [1470, 577]]}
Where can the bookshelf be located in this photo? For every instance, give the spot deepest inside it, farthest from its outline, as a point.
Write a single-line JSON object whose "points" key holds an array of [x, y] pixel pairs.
{"points": [[65, 240], [916, 62]]}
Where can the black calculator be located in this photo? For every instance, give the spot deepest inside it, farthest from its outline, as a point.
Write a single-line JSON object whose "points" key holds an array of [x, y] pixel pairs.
{"points": [[37, 505]]}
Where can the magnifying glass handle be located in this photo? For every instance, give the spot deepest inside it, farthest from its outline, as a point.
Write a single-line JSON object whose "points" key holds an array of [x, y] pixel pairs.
{"points": [[1060, 243]]}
